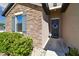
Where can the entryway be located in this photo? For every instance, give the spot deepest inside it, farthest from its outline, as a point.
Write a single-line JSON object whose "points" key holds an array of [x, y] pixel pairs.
{"points": [[55, 43]]}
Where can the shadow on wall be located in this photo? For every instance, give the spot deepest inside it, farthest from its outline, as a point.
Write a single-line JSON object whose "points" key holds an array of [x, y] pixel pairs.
{"points": [[45, 17]]}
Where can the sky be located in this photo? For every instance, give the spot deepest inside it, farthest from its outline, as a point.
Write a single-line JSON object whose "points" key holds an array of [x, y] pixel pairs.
{"points": [[2, 7], [2, 18], [19, 18]]}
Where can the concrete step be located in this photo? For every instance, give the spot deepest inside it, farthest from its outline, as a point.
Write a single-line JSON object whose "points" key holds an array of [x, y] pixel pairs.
{"points": [[50, 53], [38, 52], [42, 52]]}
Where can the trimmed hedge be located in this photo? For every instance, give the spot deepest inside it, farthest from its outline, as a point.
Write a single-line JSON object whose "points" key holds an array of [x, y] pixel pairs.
{"points": [[15, 44]]}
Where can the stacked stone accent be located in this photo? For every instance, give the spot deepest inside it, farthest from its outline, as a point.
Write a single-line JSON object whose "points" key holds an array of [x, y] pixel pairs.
{"points": [[33, 18]]}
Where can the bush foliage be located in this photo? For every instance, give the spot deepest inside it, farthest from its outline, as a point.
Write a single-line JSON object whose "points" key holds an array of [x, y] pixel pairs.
{"points": [[15, 44], [72, 52]]}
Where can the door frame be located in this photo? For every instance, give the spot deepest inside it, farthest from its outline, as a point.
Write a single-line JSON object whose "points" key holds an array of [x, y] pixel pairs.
{"points": [[59, 24]]}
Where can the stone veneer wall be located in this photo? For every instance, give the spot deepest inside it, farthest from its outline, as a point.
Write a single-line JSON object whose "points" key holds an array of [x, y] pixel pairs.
{"points": [[34, 21]]}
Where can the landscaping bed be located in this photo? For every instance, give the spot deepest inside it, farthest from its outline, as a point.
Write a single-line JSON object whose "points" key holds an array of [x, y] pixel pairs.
{"points": [[15, 44], [72, 52]]}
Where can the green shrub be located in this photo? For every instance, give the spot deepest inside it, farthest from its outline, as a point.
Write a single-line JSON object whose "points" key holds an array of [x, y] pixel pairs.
{"points": [[72, 52], [15, 44]]}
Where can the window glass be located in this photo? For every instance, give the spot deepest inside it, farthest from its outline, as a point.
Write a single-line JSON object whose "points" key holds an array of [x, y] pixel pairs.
{"points": [[54, 4], [19, 23]]}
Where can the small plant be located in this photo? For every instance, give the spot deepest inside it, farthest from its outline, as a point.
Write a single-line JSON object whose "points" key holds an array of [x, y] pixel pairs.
{"points": [[15, 44], [72, 52]]}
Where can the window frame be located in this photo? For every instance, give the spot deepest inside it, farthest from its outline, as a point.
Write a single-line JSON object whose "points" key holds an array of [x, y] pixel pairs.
{"points": [[17, 14], [55, 4]]}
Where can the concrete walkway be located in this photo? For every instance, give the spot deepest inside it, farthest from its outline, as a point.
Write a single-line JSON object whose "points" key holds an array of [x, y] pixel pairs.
{"points": [[54, 47], [41, 52], [57, 45]]}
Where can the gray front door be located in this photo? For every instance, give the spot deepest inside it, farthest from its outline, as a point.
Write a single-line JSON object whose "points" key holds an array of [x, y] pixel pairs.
{"points": [[55, 28]]}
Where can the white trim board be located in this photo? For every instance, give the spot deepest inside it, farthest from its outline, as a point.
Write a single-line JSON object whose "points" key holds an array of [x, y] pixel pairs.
{"points": [[54, 18], [18, 13], [55, 7]]}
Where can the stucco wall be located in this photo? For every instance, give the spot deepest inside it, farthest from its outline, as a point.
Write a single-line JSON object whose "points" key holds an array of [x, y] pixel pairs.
{"points": [[70, 26], [34, 21]]}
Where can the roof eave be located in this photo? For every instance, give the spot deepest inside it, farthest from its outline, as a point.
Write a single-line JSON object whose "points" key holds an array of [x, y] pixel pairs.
{"points": [[45, 7], [7, 8], [64, 7]]}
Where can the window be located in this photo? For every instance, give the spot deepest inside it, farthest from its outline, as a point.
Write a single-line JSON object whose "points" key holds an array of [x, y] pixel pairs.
{"points": [[54, 4], [47, 5], [19, 23]]}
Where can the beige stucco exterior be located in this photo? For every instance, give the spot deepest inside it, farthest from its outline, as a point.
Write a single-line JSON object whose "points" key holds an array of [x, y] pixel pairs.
{"points": [[70, 25]]}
